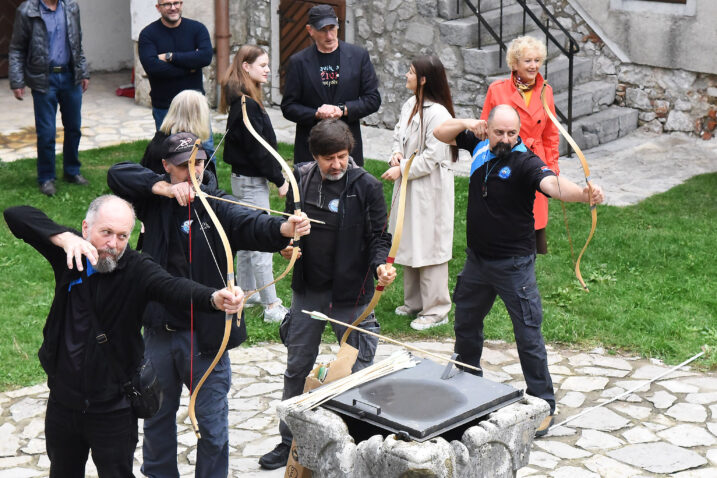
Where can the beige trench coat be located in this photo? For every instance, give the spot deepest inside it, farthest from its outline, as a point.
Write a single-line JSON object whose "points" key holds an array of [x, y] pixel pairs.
{"points": [[428, 226]]}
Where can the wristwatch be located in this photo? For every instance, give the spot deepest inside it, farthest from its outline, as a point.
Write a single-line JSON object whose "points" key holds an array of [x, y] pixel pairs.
{"points": [[343, 109], [168, 56]]}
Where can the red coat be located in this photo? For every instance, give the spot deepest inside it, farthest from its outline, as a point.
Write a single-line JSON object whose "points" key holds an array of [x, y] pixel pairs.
{"points": [[538, 133]]}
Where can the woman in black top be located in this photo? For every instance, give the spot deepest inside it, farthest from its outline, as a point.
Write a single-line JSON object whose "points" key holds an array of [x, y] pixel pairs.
{"points": [[252, 165], [188, 112]]}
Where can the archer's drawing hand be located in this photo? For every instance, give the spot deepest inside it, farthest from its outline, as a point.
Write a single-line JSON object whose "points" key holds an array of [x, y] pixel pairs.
{"points": [[75, 247], [183, 192]]}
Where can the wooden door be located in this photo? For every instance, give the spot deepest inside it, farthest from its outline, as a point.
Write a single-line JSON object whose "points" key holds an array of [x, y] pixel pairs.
{"points": [[7, 17], [293, 17]]}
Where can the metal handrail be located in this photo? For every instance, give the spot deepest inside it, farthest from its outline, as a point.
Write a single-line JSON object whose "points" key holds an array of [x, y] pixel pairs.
{"points": [[569, 52]]}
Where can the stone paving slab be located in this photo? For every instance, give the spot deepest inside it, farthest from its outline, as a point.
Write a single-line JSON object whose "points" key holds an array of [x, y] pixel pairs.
{"points": [[622, 439]]}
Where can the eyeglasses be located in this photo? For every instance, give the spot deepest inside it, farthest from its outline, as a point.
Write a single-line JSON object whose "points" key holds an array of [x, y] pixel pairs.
{"points": [[171, 4]]}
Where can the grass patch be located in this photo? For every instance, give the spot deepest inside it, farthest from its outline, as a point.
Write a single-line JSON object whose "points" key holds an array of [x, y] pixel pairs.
{"points": [[652, 288]]}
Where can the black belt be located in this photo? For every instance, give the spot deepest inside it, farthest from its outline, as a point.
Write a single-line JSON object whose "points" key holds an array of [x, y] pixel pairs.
{"points": [[59, 69]]}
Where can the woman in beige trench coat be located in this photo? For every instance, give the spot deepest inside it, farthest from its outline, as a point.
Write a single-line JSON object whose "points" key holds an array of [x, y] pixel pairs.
{"points": [[427, 241]]}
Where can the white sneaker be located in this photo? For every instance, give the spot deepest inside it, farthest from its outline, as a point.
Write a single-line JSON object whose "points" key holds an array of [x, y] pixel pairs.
{"points": [[405, 311], [423, 322], [275, 314], [253, 301]]}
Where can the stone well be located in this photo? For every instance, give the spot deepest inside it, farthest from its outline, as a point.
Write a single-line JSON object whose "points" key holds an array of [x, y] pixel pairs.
{"points": [[498, 446]]}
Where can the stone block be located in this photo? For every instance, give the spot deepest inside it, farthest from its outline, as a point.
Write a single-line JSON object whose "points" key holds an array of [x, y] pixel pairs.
{"points": [[679, 121], [496, 447], [627, 121], [557, 69], [582, 102], [427, 8], [419, 33], [637, 98], [451, 9], [486, 61], [461, 32]]}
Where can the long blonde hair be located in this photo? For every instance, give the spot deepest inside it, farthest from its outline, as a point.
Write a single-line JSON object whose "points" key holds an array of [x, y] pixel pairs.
{"points": [[188, 112], [237, 82]]}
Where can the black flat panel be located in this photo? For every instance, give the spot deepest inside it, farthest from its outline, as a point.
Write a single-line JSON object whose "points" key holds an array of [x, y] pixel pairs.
{"points": [[418, 402]]}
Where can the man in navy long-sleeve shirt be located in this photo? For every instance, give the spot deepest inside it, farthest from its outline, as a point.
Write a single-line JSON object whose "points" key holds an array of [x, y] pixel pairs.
{"points": [[173, 50]]}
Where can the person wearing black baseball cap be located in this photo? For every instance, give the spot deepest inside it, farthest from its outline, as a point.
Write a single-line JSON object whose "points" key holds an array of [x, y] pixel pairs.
{"points": [[173, 220], [329, 79]]}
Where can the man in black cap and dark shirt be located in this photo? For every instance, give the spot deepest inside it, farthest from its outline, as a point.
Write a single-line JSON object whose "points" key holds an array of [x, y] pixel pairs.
{"points": [[173, 222], [500, 234], [330, 79], [87, 408]]}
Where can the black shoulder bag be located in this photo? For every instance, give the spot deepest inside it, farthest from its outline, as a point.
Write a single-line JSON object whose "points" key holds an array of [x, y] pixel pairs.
{"points": [[143, 389]]}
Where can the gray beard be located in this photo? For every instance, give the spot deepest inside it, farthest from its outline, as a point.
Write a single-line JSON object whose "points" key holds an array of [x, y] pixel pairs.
{"points": [[335, 177], [107, 264]]}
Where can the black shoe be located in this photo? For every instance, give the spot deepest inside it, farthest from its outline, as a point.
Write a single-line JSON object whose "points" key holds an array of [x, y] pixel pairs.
{"points": [[48, 188], [76, 179], [276, 458]]}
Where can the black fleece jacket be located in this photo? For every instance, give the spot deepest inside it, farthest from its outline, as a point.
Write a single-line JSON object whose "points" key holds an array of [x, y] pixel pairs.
{"points": [[362, 241], [246, 229], [119, 298]]}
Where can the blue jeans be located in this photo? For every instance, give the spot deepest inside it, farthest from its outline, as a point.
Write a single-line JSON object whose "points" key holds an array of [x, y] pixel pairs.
{"points": [[64, 92], [170, 355], [159, 114]]}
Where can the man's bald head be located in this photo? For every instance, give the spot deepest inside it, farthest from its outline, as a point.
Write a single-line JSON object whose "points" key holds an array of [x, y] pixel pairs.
{"points": [[503, 112], [503, 129]]}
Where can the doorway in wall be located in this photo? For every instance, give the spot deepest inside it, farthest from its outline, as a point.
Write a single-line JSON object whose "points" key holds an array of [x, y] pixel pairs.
{"points": [[293, 17], [7, 17]]}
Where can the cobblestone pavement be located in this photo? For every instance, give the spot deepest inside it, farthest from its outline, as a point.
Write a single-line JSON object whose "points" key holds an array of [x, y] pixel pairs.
{"points": [[666, 429], [669, 428]]}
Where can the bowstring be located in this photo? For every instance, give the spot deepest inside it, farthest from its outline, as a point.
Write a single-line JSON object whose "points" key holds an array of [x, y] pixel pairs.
{"points": [[191, 301]]}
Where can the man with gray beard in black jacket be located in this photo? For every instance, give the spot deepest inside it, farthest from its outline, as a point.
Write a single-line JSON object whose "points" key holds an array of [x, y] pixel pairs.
{"points": [[88, 408]]}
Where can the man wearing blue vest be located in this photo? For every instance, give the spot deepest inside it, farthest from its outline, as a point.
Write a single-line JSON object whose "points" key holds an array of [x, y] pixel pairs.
{"points": [[500, 258]]}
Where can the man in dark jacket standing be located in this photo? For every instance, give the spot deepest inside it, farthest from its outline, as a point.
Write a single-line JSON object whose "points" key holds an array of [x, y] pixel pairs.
{"points": [[330, 79], [173, 50], [181, 237], [87, 408], [46, 54], [339, 261]]}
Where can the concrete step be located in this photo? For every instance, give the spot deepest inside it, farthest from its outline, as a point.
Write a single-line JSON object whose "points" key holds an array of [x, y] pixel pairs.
{"points": [[490, 60], [602, 127], [587, 98], [464, 31], [452, 9]]}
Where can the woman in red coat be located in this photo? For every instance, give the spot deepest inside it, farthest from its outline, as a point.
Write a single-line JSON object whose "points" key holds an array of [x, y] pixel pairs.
{"points": [[522, 90]]}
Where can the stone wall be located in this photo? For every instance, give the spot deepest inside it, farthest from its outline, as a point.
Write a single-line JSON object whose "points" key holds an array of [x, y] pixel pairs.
{"points": [[668, 99], [395, 31]]}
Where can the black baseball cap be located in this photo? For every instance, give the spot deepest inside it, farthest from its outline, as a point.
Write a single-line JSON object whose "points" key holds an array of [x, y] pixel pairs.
{"points": [[178, 148], [322, 15]]}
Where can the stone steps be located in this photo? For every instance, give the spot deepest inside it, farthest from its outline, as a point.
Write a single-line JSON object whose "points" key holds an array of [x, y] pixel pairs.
{"points": [[464, 31], [490, 60], [453, 9], [602, 127], [594, 120]]}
